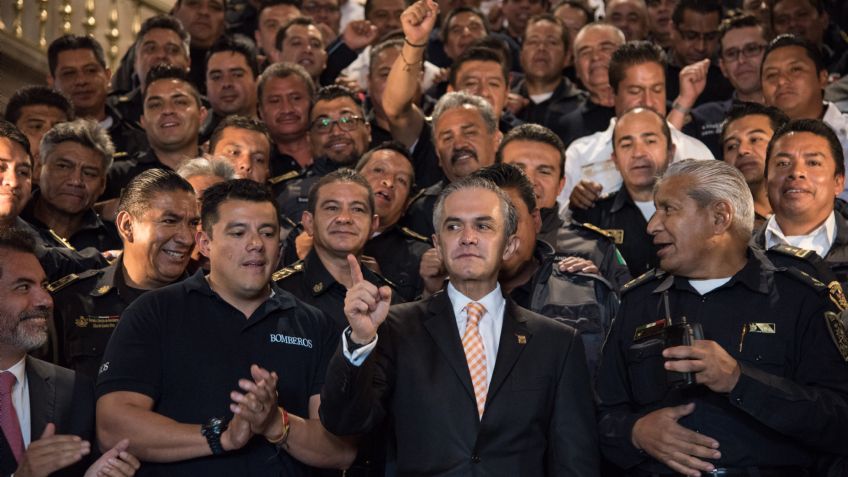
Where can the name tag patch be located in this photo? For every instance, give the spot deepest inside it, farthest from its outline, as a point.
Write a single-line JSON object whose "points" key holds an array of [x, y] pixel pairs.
{"points": [[291, 340], [97, 322]]}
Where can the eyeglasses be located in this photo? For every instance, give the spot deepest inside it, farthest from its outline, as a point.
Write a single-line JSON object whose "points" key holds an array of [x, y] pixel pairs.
{"points": [[750, 50], [346, 123]]}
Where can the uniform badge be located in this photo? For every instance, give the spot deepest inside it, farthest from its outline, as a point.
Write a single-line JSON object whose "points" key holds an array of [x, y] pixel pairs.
{"points": [[317, 287], [617, 235], [103, 289], [836, 296], [766, 328], [836, 326], [81, 322], [522, 340], [649, 329]]}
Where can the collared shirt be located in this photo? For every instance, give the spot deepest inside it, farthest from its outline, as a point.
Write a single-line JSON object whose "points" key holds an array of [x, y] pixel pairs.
{"points": [[596, 149], [819, 240], [490, 324], [838, 121], [20, 398]]}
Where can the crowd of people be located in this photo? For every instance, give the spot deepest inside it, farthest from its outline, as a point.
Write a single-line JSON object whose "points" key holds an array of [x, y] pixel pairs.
{"points": [[315, 237]]}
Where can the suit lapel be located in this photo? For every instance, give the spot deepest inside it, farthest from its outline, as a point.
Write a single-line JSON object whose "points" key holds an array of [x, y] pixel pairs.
{"points": [[514, 338], [42, 396], [441, 324]]}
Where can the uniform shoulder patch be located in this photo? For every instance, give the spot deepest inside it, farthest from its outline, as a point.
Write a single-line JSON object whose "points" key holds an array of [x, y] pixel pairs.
{"points": [[804, 278], [641, 279], [286, 272], [62, 282], [413, 234], [792, 251], [836, 325], [284, 177]]}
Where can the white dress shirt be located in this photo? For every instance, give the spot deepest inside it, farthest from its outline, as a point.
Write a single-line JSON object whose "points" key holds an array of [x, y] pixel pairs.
{"points": [[596, 150], [838, 121], [490, 326], [819, 240], [20, 398]]}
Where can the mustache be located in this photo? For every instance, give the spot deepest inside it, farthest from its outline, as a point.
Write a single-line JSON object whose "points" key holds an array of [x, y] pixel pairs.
{"points": [[463, 150], [37, 313]]}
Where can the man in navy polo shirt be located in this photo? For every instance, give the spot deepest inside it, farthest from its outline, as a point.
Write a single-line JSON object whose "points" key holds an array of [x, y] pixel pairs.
{"points": [[221, 374]]}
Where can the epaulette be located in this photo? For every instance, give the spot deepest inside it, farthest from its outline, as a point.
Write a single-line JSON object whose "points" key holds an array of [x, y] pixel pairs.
{"points": [[646, 277], [286, 272], [616, 235], [121, 154], [62, 282], [123, 98], [417, 196], [284, 177], [804, 278], [792, 251], [388, 282], [413, 234], [594, 228]]}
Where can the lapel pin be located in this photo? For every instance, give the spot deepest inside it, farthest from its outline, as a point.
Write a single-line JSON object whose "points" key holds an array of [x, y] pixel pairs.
{"points": [[521, 339]]}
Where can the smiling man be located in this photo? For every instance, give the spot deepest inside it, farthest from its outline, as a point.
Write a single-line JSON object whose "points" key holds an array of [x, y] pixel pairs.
{"points": [[767, 350], [157, 220], [299, 41], [76, 156], [642, 149], [804, 173], [172, 117]]}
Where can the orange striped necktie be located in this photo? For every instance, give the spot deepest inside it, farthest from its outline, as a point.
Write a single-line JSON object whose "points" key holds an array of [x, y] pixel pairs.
{"points": [[475, 354]]}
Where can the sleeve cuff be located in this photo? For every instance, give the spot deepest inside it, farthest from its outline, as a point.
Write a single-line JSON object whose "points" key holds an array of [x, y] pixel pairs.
{"points": [[358, 355]]}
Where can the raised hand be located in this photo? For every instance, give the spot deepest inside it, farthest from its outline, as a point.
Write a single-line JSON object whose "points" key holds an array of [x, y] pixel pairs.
{"points": [[359, 33], [418, 21], [659, 434], [116, 462], [50, 453], [432, 271], [584, 194], [693, 80], [366, 306]]}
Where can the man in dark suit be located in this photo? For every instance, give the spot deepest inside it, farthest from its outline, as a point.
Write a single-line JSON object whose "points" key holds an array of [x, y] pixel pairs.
{"points": [[36, 397], [471, 382]]}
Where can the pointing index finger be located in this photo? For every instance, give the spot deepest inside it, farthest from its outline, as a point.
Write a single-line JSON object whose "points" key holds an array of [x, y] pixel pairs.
{"points": [[355, 271]]}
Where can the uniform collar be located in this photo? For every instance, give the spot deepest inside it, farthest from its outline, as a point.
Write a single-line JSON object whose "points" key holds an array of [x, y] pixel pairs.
{"points": [[622, 199], [550, 218], [820, 239], [755, 275], [198, 283], [316, 276]]}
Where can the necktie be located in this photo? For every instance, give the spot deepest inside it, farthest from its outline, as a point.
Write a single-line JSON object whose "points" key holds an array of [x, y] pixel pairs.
{"points": [[9, 417], [472, 343]]}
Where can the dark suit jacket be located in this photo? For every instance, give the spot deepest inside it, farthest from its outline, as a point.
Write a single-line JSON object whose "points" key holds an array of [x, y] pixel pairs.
{"points": [[538, 420], [56, 395]]}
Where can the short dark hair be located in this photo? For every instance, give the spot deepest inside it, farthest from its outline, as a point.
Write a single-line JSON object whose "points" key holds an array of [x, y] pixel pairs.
{"points": [[785, 40], [164, 72], [12, 133], [456, 11], [817, 4], [392, 145], [630, 54], [18, 240], [478, 53], [813, 126], [507, 176], [284, 70], [73, 42], [31, 95], [239, 122], [138, 194], [273, 3], [164, 22], [534, 133], [549, 17], [578, 4], [235, 189], [777, 118], [335, 91], [666, 131], [737, 22], [235, 45], [704, 7], [340, 175], [283, 31]]}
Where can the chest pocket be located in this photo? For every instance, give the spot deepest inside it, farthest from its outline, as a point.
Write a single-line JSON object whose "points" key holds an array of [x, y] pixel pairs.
{"points": [[646, 372], [88, 335], [765, 351]]}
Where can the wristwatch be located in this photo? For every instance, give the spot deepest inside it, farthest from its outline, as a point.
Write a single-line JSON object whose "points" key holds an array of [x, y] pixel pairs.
{"points": [[212, 431]]}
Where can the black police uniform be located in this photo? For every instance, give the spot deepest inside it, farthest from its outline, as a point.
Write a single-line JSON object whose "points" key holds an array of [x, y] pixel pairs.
{"points": [[186, 348], [791, 400], [93, 232], [586, 119], [574, 239], [121, 173], [587, 302], [282, 164], [398, 251], [127, 137], [310, 281], [621, 218], [294, 193], [419, 214], [565, 99], [130, 105], [58, 262], [836, 258], [706, 122], [87, 307]]}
